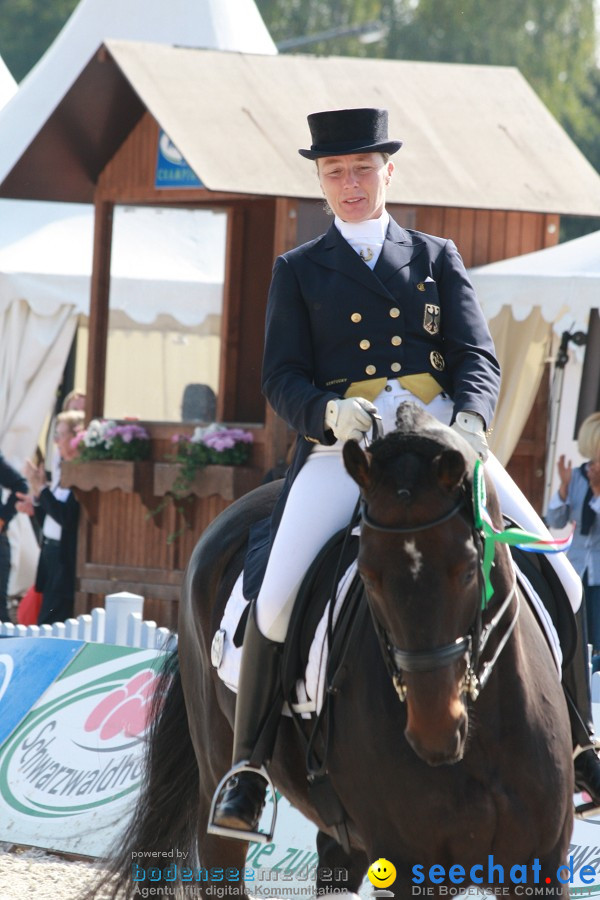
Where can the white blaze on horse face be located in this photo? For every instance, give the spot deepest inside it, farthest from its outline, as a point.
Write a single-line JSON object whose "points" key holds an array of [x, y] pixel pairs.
{"points": [[415, 556]]}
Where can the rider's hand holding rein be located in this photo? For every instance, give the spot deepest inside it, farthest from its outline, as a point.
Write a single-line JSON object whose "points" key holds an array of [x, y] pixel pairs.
{"points": [[471, 427], [349, 419]]}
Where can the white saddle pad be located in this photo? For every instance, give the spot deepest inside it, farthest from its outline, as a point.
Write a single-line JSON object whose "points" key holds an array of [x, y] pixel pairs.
{"points": [[226, 657]]}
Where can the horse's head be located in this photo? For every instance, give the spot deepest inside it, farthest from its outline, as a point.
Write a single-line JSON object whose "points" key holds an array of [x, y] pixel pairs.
{"points": [[420, 561]]}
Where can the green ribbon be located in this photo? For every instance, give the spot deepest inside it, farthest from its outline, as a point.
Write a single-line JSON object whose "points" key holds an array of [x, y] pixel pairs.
{"points": [[514, 537]]}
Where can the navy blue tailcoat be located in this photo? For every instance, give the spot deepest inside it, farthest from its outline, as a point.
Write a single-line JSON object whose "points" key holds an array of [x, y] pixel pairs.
{"points": [[332, 321]]}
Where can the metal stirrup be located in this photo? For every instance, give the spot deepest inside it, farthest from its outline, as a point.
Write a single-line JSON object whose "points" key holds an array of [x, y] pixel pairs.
{"points": [[242, 834]]}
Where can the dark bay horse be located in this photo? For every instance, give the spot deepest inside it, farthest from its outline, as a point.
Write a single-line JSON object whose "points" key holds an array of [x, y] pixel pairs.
{"points": [[429, 771]]}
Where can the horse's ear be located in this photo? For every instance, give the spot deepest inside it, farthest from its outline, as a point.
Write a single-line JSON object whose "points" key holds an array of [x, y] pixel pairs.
{"points": [[451, 468], [357, 463]]}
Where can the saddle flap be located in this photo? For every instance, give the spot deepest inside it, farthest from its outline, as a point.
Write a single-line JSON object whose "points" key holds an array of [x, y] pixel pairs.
{"points": [[544, 580], [315, 591]]}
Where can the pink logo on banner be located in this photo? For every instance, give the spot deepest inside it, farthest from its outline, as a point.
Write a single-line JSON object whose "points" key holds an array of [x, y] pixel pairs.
{"points": [[126, 709]]}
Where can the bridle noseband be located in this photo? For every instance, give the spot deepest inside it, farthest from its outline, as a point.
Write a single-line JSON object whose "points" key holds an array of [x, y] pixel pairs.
{"points": [[471, 645]]}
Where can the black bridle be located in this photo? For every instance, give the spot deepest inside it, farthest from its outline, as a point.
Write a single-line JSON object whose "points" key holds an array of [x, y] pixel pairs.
{"points": [[470, 645], [399, 529]]}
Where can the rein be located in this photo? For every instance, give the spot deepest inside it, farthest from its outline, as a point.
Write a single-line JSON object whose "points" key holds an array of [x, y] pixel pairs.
{"points": [[472, 644]]}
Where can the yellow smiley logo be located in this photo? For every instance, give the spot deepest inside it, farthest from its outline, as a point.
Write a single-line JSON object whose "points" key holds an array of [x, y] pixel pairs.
{"points": [[381, 873]]}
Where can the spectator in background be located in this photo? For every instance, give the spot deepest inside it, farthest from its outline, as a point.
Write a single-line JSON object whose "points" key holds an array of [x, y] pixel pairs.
{"points": [[198, 404], [578, 499], [58, 512], [13, 481], [74, 400]]}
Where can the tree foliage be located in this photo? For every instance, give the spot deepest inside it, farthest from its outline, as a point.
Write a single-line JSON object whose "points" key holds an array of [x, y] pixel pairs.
{"points": [[27, 28], [554, 44]]}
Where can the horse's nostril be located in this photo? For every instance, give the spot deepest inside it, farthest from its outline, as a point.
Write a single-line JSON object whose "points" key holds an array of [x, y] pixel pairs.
{"points": [[442, 746]]}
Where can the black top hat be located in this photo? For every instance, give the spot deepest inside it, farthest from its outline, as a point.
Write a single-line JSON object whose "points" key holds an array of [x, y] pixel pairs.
{"points": [[339, 132]]}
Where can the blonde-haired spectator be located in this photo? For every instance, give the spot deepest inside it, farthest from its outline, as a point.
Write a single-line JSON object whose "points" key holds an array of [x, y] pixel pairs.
{"points": [[74, 400], [578, 499], [57, 510]]}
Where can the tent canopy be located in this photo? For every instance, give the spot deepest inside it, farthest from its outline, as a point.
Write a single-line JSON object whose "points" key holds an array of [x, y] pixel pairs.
{"points": [[164, 260], [474, 136], [8, 85], [561, 280]]}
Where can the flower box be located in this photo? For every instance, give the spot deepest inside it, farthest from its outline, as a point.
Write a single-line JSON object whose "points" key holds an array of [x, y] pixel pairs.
{"points": [[229, 482], [108, 475]]}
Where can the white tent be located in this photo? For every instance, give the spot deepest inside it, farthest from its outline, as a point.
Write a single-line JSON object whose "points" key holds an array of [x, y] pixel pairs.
{"points": [[8, 85], [164, 260], [166, 276], [528, 300], [561, 281]]}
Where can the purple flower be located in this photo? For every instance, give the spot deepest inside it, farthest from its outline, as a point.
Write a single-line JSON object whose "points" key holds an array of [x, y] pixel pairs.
{"points": [[219, 440], [127, 433], [226, 438], [246, 437]]}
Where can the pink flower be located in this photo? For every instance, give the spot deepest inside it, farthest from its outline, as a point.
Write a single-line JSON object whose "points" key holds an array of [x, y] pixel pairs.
{"points": [[78, 439]]}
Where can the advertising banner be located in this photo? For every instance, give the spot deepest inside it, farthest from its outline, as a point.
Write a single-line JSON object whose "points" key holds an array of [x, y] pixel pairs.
{"points": [[28, 666], [70, 771]]}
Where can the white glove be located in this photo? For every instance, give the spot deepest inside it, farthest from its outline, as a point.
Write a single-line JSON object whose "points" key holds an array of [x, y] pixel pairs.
{"points": [[471, 427], [349, 419]]}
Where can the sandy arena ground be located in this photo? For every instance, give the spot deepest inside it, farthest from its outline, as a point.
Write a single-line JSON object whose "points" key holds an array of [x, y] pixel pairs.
{"points": [[30, 874]]}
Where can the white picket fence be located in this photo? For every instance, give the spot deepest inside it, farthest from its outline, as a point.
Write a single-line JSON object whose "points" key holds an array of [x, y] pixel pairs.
{"points": [[120, 622]]}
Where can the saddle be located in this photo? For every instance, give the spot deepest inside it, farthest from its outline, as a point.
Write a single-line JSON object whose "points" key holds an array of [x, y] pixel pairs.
{"points": [[319, 585], [541, 575], [346, 623]]}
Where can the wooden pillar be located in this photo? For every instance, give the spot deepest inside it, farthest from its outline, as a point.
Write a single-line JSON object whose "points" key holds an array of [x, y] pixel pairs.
{"points": [[232, 301], [284, 238], [99, 309]]}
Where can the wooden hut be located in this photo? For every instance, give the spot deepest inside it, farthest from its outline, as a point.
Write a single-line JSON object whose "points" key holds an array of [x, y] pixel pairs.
{"points": [[483, 163]]}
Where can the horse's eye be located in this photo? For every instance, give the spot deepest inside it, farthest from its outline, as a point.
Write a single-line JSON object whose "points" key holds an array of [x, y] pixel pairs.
{"points": [[469, 574]]}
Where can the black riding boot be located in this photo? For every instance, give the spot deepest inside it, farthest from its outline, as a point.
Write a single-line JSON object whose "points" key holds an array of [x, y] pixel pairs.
{"points": [[576, 685], [240, 803]]}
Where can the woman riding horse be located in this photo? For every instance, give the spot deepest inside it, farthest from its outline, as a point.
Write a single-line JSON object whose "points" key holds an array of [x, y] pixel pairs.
{"points": [[472, 768], [359, 320]]}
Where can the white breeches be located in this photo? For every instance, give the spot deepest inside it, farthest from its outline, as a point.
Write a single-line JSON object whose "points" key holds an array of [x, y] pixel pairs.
{"points": [[322, 500]]}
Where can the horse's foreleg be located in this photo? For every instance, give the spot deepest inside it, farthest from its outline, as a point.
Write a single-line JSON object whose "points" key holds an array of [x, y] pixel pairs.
{"points": [[338, 871], [222, 868]]}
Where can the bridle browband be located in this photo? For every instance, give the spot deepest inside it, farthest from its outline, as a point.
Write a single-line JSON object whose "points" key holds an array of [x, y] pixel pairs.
{"points": [[400, 529], [472, 644]]}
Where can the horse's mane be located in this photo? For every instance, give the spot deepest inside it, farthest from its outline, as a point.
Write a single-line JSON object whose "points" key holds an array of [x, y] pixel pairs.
{"points": [[417, 432], [418, 439]]}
